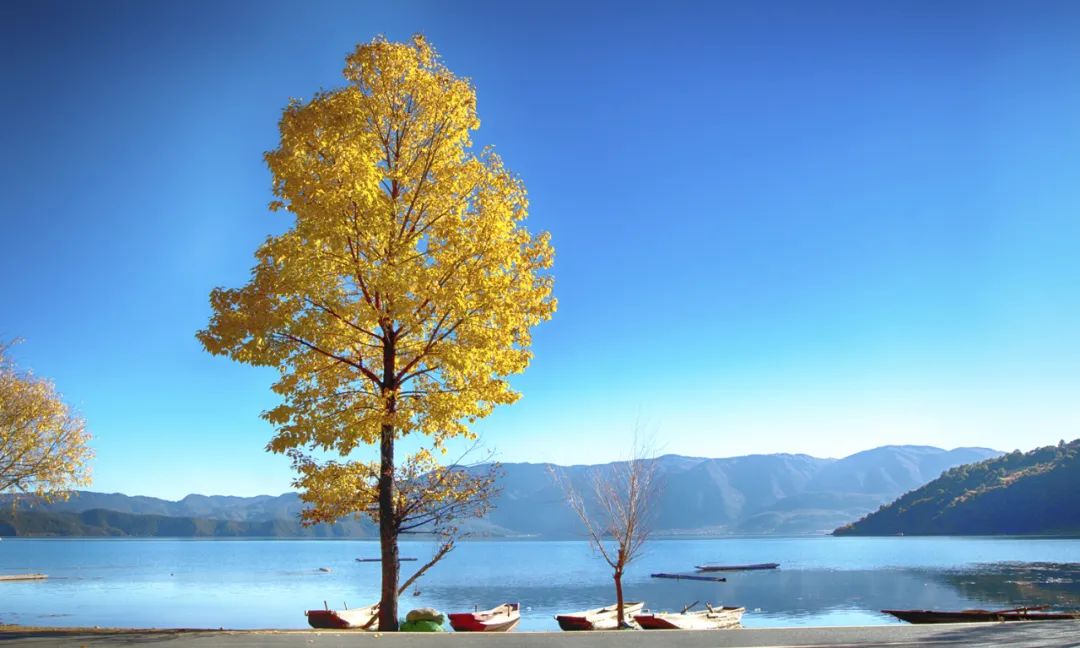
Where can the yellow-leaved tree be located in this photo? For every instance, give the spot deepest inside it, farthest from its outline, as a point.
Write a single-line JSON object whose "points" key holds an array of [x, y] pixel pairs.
{"points": [[400, 300], [43, 444]]}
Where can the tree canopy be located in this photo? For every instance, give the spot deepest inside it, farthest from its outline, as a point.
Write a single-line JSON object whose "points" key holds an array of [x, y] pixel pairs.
{"points": [[402, 298], [43, 444]]}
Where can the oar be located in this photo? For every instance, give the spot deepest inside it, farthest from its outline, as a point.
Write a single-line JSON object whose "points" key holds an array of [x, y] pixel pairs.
{"points": [[684, 610], [374, 618]]}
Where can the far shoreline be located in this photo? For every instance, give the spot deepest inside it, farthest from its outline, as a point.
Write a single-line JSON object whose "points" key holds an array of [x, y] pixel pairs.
{"points": [[538, 538]]}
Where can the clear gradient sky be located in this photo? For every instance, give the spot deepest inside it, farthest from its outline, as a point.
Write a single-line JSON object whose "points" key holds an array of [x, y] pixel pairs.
{"points": [[811, 227]]}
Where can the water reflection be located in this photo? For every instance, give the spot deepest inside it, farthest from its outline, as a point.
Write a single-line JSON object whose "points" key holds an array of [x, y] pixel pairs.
{"points": [[268, 584], [802, 597], [1013, 584]]}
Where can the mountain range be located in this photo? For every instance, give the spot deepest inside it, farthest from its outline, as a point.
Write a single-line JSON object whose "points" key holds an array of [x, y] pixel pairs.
{"points": [[755, 494]]}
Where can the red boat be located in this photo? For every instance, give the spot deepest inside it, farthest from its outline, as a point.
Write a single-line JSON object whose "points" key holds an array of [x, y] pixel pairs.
{"points": [[365, 618], [498, 619]]}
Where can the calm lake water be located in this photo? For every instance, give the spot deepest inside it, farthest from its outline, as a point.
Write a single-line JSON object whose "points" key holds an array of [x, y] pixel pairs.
{"points": [[268, 583]]}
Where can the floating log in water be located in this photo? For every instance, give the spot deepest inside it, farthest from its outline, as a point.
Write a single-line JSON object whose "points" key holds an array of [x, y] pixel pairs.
{"points": [[715, 579], [380, 560], [22, 577]]}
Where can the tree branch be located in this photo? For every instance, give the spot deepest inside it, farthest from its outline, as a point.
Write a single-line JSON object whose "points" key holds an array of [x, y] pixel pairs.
{"points": [[446, 548]]}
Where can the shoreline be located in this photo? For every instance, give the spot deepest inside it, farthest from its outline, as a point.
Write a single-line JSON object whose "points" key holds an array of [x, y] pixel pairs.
{"points": [[1021, 634]]}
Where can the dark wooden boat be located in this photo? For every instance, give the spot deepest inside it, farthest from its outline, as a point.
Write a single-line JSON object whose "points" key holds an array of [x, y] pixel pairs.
{"points": [[969, 616], [498, 619], [605, 618], [719, 568], [721, 618], [697, 577], [365, 618]]}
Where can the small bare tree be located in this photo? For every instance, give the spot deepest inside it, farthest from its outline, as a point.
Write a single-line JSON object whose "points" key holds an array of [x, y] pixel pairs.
{"points": [[623, 498]]}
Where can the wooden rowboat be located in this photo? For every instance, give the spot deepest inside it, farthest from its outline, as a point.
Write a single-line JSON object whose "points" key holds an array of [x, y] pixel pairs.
{"points": [[365, 618], [498, 619], [720, 618], [605, 618], [22, 577], [695, 577], [716, 568], [968, 616]]}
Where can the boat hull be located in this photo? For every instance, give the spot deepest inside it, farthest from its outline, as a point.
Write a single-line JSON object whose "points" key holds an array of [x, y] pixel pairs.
{"points": [[472, 625], [726, 568], [570, 623], [605, 618], [975, 616], [715, 619], [500, 619], [695, 577], [355, 619]]}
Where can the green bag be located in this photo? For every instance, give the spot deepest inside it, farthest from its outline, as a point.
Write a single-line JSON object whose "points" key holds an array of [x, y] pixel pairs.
{"points": [[425, 614], [423, 625]]}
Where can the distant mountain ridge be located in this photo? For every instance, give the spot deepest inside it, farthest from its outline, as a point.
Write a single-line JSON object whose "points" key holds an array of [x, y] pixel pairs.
{"points": [[1037, 492], [222, 507], [753, 494], [102, 522]]}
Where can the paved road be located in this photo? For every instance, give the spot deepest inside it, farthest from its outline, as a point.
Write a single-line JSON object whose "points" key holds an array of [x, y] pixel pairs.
{"points": [[1031, 634]]}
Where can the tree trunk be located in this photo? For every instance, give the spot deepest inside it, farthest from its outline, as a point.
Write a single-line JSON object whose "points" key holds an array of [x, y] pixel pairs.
{"points": [[619, 598], [388, 603], [388, 530]]}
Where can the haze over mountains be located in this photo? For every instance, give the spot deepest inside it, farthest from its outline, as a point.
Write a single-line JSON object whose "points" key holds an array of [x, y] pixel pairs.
{"points": [[756, 494]]}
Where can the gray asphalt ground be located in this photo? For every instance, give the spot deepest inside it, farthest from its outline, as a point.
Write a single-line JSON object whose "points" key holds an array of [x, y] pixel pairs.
{"points": [[1031, 634]]}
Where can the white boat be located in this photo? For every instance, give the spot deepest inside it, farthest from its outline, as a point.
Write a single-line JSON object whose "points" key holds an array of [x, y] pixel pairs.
{"points": [[721, 618], [604, 618], [365, 618], [503, 618]]}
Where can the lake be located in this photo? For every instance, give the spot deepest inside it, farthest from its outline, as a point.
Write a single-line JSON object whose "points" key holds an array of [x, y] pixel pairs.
{"points": [[268, 583]]}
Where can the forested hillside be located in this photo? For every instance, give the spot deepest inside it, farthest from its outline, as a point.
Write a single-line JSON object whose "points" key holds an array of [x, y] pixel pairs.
{"points": [[105, 523], [1037, 492]]}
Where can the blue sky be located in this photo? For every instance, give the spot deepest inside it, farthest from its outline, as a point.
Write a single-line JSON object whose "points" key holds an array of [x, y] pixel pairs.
{"points": [[779, 227]]}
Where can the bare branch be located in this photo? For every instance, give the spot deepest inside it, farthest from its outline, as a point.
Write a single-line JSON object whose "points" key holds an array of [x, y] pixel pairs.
{"points": [[444, 549]]}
